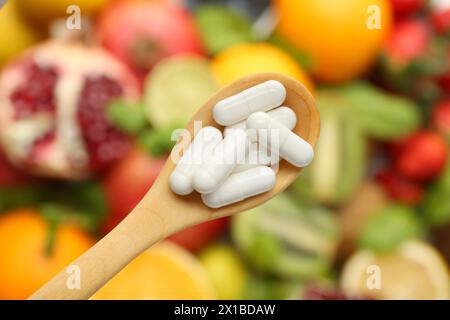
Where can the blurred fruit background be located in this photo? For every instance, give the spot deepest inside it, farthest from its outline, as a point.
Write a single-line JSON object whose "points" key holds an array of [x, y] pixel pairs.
{"points": [[86, 122]]}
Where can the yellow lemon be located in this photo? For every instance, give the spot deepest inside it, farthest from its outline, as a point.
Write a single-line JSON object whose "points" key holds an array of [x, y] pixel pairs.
{"points": [[16, 35], [414, 271]]}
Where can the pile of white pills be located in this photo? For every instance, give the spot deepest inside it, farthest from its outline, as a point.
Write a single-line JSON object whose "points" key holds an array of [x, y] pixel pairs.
{"points": [[234, 166]]}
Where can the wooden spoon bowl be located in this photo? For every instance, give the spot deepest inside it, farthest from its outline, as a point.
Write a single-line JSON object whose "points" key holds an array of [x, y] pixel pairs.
{"points": [[162, 213]]}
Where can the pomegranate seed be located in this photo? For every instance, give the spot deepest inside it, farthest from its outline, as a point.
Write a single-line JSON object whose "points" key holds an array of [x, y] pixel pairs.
{"points": [[104, 143], [36, 94]]}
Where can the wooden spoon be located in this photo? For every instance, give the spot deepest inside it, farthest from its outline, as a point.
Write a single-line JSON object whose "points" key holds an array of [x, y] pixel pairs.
{"points": [[162, 213]]}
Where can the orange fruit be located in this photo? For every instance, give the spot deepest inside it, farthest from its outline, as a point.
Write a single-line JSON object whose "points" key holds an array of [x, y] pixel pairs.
{"points": [[336, 33], [244, 59], [164, 271], [414, 271], [25, 264]]}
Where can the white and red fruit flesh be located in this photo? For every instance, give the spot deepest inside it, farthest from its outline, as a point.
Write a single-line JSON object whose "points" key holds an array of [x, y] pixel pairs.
{"points": [[141, 33], [53, 101]]}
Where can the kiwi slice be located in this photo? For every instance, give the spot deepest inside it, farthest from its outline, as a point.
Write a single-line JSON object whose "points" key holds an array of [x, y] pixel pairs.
{"points": [[176, 88]]}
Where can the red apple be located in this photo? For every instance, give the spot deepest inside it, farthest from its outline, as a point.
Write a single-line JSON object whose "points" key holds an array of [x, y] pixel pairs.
{"points": [[421, 157], [399, 188], [141, 32], [197, 237], [130, 180], [127, 183]]}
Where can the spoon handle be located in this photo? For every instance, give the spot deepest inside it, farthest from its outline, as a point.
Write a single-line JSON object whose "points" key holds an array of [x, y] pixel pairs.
{"points": [[143, 227]]}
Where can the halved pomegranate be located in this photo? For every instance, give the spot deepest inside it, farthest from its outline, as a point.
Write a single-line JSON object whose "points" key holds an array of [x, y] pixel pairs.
{"points": [[52, 109]]}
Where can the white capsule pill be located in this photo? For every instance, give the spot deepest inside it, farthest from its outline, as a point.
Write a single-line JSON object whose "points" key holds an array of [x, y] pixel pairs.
{"points": [[181, 179], [262, 97], [281, 140], [256, 156], [227, 154], [240, 186], [284, 115]]}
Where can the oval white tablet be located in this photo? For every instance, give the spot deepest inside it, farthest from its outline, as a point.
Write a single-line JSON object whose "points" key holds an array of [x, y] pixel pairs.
{"points": [[262, 97], [181, 179], [256, 156], [240, 186], [284, 115], [227, 154], [281, 140]]}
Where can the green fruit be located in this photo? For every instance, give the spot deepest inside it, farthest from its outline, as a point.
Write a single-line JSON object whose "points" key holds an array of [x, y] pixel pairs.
{"points": [[267, 288], [158, 141], [226, 271], [305, 61], [389, 228], [82, 202], [283, 239], [381, 116], [437, 201], [128, 118], [339, 165], [222, 27], [176, 88]]}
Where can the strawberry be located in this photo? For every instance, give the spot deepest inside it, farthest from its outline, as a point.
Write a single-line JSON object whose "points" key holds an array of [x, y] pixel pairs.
{"points": [[441, 21], [444, 82], [399, 188], [408, 40], [440, 118], [421, 157], [415, 61], [406, 7], [444, 79], [440, 15]]}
